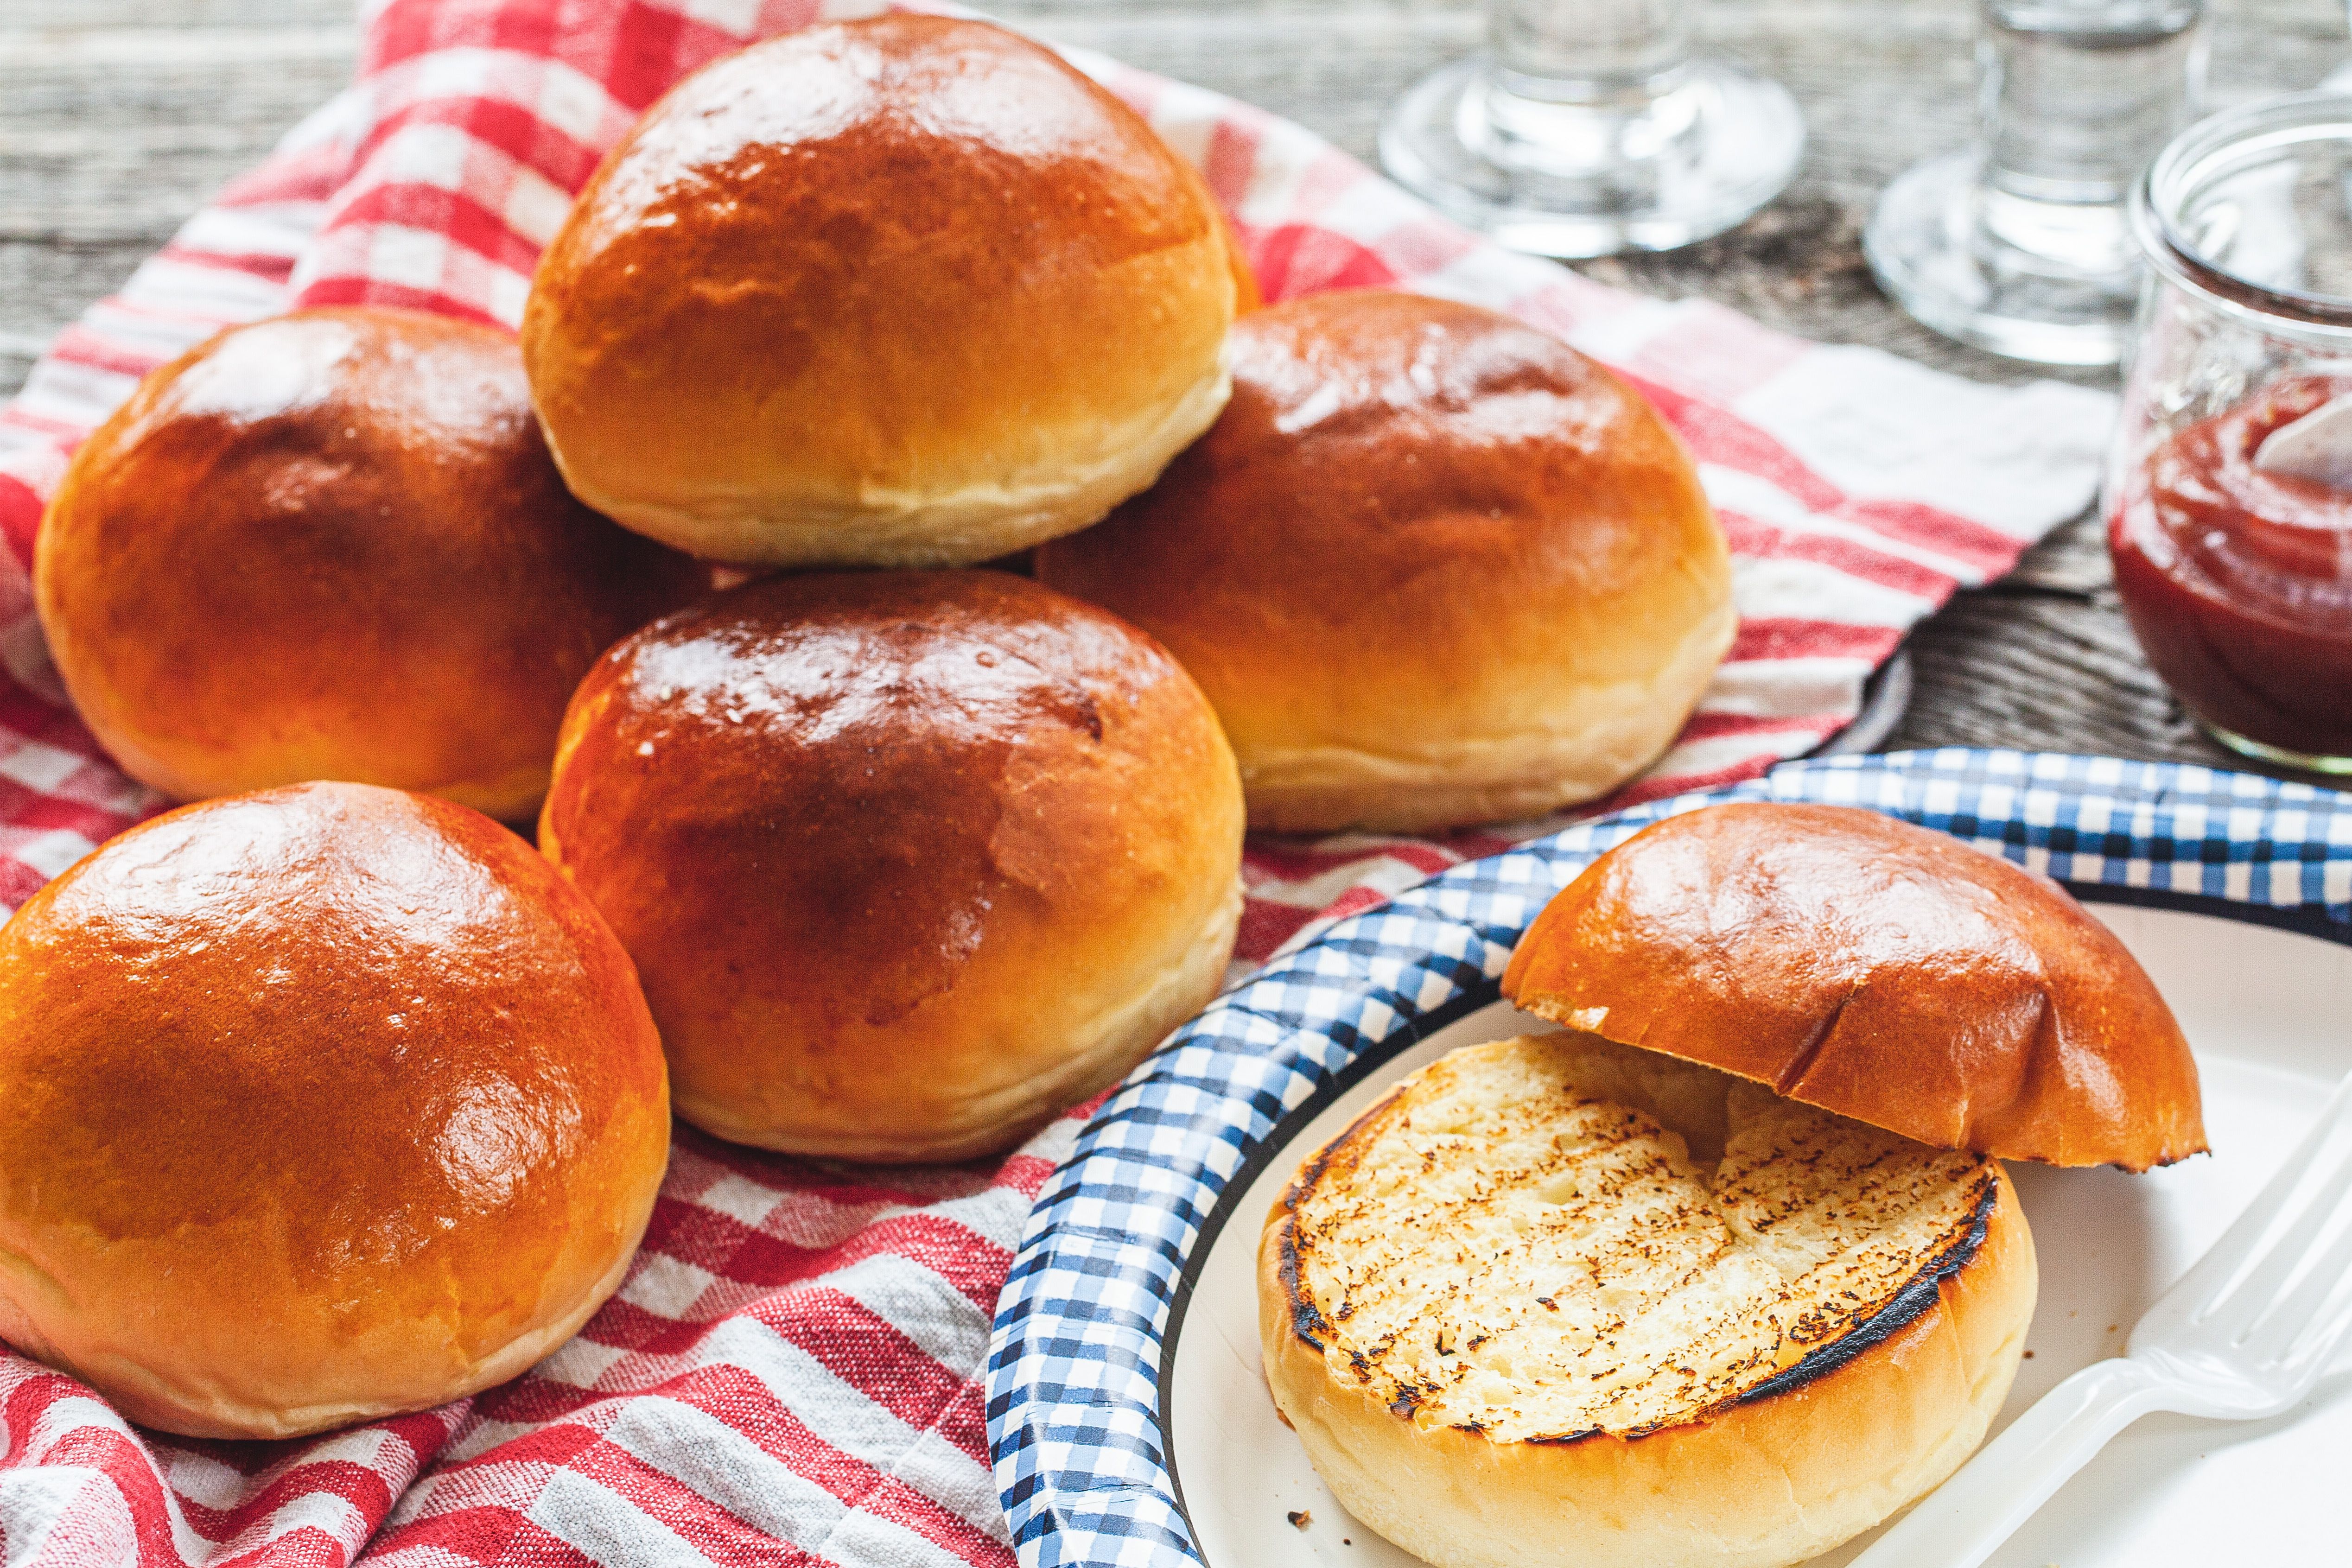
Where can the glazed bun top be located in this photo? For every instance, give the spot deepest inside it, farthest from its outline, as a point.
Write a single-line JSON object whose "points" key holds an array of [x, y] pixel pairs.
{"points": [[1877, 969], [905, 290], [907, 859], [1423, 536], [317, 1100], [331, 545]]}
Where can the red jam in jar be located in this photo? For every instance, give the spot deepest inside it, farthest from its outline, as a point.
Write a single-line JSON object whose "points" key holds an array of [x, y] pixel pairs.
{"points": [[2239, 581]]}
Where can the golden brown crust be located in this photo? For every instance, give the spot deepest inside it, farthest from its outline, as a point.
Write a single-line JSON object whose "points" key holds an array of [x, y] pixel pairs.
{"points": [[331, 544], [1760, 1482], [316, 1104], [1433, 566], [1877, 969], [909, 861], [905, 291]]}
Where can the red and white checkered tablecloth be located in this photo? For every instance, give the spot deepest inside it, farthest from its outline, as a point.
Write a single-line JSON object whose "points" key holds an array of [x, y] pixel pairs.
{"points": [[791, 1373]]}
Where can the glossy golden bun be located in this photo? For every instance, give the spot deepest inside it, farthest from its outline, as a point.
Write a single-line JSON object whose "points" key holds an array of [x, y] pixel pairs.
{"points": [[902, 291], [315, 1105], [1432, 567], [331, 546], [1877, 969], [909, 861]]}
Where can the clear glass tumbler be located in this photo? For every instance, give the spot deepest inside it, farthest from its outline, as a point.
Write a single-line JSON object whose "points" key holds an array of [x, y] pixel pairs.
{"points": [[1588, 128], [2229, 487], [2019, 245]]}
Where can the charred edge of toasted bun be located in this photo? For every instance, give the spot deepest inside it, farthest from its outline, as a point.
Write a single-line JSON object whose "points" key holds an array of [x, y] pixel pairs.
{"points": [[1433, 566], [1763, 1482], [1915, 1296], [906, 290], [1873, 967]]}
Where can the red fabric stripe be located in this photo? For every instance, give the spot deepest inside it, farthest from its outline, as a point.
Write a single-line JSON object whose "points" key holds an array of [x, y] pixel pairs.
{"points": [[824, 1218], [480, 1534], [1715, 435], [1266, 926], [20, 524], [78, 345], [1716, 726], [369, 291], [724, 1245], [1750, 537], [260, 264], [1763, 637]]}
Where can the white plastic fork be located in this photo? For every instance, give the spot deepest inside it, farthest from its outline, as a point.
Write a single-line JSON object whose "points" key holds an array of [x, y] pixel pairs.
{"points": [[2243, 1335]]}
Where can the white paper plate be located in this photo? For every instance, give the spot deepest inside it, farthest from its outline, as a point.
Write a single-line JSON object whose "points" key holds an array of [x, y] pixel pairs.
{"points": [[2269, 1013], [1130, 1421]]}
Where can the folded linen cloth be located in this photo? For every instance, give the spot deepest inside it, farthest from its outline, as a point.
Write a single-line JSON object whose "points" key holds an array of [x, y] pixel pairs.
{"points": [[791, 1371]]}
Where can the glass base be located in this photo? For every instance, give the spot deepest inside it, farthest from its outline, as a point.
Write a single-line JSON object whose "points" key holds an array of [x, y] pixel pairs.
{"points": [[1933, 247], [1651, 171], [2277, 757]]}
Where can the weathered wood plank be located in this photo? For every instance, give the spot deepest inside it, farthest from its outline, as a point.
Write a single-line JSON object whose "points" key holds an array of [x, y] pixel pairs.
{"points": [[118, 117]]}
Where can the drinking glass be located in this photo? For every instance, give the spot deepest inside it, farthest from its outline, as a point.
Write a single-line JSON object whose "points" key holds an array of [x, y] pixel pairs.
{"points": [[1588, 128], [2020, 244]]}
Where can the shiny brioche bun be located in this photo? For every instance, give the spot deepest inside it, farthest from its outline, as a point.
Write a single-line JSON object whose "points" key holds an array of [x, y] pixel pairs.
{"points": [[1432, 567], [1881, 970], [331, 546], [316, 1104], [909, 861], [902, 291]]}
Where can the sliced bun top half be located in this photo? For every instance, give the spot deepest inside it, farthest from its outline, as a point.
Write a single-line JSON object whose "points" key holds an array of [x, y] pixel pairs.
{"points": [[1877, 969]]}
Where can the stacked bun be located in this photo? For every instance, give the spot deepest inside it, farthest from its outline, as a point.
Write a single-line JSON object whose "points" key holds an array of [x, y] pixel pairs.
{"points": [[1728, 1271], [909, 861], [1432, 565], [331, 546], [899, 864], [907, 291]]}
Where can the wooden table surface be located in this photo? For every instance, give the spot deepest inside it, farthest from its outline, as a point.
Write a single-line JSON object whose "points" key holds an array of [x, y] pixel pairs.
{"points": [[118, 117]]}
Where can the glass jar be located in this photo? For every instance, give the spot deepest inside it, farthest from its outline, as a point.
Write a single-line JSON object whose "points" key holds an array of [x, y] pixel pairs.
{"points": [[2233, 543]]}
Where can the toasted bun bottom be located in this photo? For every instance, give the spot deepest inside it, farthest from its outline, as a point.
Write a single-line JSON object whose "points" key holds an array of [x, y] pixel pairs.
{"points": [[1594, 737], [1061, 1072], [1764, 1484], [412, 1365], [876, 525]]}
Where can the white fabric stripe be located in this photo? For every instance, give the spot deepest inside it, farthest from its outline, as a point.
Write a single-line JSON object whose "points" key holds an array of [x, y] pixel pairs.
{"points": [[716, 1461], [1786, 688], [2012, 458], [264, 229], [1752, 494], [80, 395], [837, 1412], [944, 1323], [38, 766], [567, 101], [1383, 874], [178, 304], [1772, 587], [713, 1460], [71, 1414], [35, 1497], [606, 1526], [1698, 757], [52, 851]]}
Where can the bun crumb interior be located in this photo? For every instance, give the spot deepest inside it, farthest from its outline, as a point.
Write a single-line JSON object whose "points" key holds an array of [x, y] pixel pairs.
{"points": [[1553, 1236], [1556, 1292]]}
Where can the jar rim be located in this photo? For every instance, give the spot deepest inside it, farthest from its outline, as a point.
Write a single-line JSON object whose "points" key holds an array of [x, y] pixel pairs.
{"points": [[2233, 137]]}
